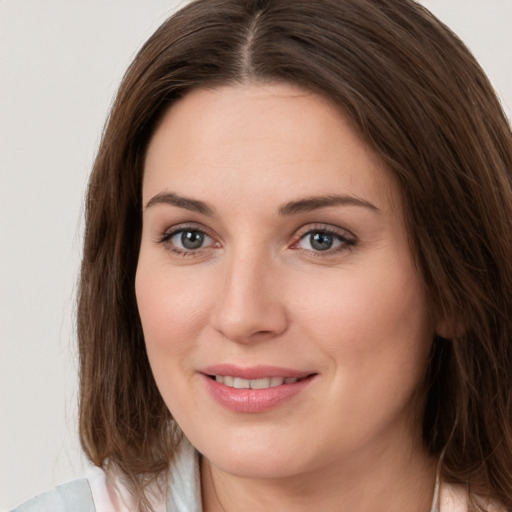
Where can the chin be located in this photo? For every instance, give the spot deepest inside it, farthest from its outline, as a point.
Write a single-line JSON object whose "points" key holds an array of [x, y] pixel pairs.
{"points": [[259, 458], [258, 467]]}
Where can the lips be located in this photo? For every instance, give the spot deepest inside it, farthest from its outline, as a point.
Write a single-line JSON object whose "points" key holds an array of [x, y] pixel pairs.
{"points": [[264, 383], [254, 372], [254, 389]]}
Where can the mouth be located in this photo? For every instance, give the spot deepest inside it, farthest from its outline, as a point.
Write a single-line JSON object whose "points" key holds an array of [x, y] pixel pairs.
{"points": [[254, 389], [264, 383]]}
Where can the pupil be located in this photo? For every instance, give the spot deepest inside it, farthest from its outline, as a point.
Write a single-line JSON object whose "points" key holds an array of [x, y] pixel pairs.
{"points": [[321, 241], [192, 239]]}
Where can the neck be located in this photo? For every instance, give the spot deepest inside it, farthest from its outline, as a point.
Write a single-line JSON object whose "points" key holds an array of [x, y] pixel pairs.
{"points": [[390, 481]]}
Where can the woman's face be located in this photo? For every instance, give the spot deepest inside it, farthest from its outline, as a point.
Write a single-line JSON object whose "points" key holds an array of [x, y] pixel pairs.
{"points": [[285, 322]]}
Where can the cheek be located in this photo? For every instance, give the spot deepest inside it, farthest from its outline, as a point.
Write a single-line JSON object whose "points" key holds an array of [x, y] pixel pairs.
{"points": [[172, 309], [377, 314], [375, 333], [171, 306]]}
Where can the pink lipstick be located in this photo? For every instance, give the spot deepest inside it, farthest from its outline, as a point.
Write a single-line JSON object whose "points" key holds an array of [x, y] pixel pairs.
{"points": [[254, 389]]}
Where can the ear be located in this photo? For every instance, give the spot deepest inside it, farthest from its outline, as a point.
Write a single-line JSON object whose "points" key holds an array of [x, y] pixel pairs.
{"points": [[450, 329]]}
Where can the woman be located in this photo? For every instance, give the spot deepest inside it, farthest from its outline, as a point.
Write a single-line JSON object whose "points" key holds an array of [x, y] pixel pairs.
{"points": [[297, 264]]}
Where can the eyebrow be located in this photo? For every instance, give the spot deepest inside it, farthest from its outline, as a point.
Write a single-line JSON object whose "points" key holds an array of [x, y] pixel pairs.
{"points": [[313, 203], [291, 208], [186, 203]]}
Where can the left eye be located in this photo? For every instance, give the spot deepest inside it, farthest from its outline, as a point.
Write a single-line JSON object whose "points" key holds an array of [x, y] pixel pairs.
{"points": [[189, 239], [321, 241]]}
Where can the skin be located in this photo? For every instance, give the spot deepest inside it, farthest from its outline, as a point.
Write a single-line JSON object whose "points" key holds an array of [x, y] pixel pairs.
{"points": [[257, 291]]}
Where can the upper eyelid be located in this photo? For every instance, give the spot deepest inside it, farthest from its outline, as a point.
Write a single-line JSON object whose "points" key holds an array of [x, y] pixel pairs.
{"points": [[328, 228], [297, 235], [166, 237], [192, 226]]}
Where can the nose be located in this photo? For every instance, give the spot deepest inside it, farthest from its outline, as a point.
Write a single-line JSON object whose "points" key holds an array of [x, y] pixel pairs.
{"points": [[251, 305]]}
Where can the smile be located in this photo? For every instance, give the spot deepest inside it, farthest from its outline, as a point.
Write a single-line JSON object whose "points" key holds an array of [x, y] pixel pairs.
{"points": [[240, 383], [255, 389]]}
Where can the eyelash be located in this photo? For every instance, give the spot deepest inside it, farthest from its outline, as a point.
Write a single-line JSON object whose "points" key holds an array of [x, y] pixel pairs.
{"points": [[345, 242], [165, 239]]}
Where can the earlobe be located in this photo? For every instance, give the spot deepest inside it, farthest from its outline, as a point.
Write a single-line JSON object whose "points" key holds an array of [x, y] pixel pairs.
{"points": [[450, 329]]}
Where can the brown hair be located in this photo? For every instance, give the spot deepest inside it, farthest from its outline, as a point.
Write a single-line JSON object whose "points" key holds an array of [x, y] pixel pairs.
{"points": [[419, 98]]}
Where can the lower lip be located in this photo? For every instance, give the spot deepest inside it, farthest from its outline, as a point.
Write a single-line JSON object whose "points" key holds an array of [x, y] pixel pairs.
{"points": [[253, 400]]}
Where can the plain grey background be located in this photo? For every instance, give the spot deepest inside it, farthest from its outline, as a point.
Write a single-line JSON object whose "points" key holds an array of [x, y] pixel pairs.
{"points": [[60, 64]]}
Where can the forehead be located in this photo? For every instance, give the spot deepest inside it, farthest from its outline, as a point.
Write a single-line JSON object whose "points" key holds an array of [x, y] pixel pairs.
{"points": [[275, 139]]}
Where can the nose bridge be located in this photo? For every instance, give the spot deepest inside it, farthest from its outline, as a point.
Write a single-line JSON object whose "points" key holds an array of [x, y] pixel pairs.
{"points": [[250, 304]]}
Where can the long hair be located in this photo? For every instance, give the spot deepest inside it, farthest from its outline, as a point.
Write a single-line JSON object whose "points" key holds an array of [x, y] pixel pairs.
{"points": [[419, 98]]}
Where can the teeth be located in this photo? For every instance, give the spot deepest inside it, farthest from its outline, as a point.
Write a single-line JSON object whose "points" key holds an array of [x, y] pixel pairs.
{"points": [[238, 383], [241, 383], [276, 381], [260, 383]]}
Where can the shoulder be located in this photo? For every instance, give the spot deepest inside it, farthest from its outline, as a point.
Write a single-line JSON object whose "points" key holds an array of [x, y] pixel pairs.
{"points": [[184, 488], [454, 498], [75, 496], [180, 490], [108, 492], [94, 493]]}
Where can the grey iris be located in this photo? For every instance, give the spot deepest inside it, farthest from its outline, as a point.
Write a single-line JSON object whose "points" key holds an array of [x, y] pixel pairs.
{"points": [[321, 241], [192, 239]]}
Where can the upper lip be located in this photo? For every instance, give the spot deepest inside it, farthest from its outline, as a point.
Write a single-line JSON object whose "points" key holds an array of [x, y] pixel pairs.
{"points": [[254, 372]]}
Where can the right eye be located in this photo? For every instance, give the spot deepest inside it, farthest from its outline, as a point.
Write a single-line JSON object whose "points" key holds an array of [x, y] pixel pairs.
{"points": [[187, 241]]}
